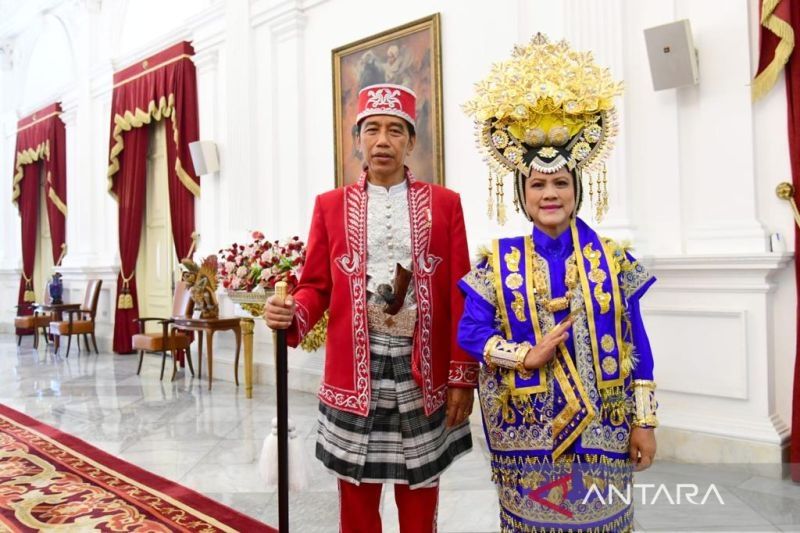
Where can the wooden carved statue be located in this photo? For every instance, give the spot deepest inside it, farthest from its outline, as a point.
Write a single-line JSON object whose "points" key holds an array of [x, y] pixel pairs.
{"points": [[202, 282]]}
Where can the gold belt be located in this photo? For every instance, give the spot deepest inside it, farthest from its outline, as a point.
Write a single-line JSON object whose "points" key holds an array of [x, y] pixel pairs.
{"points": [[399, 325]]}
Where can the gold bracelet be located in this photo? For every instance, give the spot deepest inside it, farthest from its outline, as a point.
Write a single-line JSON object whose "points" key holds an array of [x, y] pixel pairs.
{"points": [[487, 350], [645, 403], [522, 351], [506, 354]]}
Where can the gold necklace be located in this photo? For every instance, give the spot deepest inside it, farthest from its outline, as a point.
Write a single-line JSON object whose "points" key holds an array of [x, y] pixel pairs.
{"points": [[542, 289]]}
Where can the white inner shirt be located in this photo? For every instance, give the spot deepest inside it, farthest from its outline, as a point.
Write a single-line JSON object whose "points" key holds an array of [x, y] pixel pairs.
{"points": [[388, 236]]}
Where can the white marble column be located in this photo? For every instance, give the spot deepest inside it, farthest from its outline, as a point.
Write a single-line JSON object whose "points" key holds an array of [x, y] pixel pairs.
{"points": [[597, 26], [238, 182], [208, 39], [10, 251], [279, 29], [80, 230], [716, 144], [9, 231]]}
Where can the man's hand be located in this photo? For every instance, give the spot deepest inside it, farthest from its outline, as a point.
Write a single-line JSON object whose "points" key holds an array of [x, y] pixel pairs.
{"points": [[277, 315], [459, 405], [642, 448], [540, 355]]}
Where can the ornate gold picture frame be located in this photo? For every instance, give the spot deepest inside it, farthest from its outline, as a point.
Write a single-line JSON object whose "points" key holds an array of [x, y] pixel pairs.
{"points": [[407, 55]]}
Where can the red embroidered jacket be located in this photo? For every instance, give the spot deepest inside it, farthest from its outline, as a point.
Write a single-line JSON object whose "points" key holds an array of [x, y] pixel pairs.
{"points": [[335, 277]]}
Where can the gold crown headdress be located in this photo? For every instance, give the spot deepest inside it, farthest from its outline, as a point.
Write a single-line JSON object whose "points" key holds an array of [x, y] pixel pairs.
{"points": [[546, 107]]}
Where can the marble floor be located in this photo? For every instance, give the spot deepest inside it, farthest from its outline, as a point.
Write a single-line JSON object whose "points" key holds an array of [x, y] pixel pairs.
{"points": [[210, 441]]}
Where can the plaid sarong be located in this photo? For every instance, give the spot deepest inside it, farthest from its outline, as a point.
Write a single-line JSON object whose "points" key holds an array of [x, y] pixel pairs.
{"points": [[396, 442]]}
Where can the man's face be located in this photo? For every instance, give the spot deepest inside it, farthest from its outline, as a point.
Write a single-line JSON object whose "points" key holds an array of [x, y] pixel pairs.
{"points": [[385, 142]]}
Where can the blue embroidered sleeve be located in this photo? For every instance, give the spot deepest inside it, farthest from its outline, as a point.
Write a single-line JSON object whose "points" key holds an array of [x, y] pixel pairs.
{"points": [[635, 280], [641, 344], [478, 323]]}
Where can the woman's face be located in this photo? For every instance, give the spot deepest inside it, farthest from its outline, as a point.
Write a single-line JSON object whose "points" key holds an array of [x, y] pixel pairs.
{"points": [[550, 200]]}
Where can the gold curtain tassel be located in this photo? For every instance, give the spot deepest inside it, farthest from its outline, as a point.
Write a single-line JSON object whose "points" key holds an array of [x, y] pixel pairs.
{"points": [[785, 191], [195, 238], [63, 253], [125, 300]]}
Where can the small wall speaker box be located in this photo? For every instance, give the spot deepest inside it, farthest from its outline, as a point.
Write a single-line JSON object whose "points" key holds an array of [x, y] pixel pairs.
{"points": [[672, 55], [204, 157]]}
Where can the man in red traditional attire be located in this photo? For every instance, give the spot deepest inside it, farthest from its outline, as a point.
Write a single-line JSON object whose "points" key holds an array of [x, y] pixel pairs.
{"points": [[384, 255]]}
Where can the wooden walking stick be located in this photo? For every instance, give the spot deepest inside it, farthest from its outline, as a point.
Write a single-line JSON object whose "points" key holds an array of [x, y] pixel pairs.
{"points": [[281, 378]]}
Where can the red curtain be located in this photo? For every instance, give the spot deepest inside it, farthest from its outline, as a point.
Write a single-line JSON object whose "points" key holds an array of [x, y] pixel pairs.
{"points": [[41, 142], [162, 87], [793, 97], [780, 27], [131, 194], [56, 190], [28, 203]]}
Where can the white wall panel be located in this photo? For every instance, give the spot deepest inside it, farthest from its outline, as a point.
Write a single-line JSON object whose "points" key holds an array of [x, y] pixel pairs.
{"points": [[697, 367]]}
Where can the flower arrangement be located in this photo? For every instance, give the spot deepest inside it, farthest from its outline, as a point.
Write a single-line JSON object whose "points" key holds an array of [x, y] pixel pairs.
{"points": [[261, 263], [248, 272]]}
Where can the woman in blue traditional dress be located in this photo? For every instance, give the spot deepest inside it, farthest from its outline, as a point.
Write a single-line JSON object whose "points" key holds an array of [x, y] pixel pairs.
{"points": [[566, 383]]}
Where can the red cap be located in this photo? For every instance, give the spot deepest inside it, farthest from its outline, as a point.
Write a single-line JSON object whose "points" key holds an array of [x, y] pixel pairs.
{"points": [[387, 99]]}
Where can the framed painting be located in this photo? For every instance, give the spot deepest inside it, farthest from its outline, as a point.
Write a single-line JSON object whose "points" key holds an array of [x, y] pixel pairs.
{"points": [[408, 55]]}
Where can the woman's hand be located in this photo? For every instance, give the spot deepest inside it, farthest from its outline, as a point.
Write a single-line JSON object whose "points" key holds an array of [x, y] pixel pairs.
{"points": [[540, 355], [642, 448], [279, 315]]}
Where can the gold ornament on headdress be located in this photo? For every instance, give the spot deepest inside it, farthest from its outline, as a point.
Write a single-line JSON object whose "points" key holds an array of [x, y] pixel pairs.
{"points": [[552, 99]]}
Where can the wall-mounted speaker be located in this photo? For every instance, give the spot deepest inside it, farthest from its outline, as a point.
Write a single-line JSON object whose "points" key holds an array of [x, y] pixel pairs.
{"points": [[204, 157], [672, 55]]}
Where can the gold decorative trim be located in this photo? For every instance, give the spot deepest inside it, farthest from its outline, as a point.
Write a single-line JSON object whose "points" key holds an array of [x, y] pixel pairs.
{"points": [[615, 292], [38, 120], [764, 82], [151, 69], [572, 400], [589, 305], [498, 287], [58, 202], [597, 276], [138, 118], [26, 157], [537, 328]]}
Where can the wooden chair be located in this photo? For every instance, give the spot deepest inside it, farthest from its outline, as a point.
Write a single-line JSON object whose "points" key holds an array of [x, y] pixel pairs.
{"points": [[168, 339], [35, 321], [83, 324]]}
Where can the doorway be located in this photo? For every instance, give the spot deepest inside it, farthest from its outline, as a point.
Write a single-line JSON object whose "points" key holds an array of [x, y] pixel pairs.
{"points": [[43, 264], [156, 263]]}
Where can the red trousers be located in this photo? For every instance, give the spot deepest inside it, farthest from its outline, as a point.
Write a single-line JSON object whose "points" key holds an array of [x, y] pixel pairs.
{"points": [[359, 508]]}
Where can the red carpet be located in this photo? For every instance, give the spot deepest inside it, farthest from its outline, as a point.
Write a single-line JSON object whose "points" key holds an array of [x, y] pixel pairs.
{"points": [[51, 480]]}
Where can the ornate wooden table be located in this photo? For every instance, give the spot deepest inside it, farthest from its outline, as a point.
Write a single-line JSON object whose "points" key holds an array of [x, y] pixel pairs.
{"points": [[209, 326], [57, 312]]}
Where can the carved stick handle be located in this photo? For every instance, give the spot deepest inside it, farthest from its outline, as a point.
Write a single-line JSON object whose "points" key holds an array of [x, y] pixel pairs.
{"points": [[281, 290]]}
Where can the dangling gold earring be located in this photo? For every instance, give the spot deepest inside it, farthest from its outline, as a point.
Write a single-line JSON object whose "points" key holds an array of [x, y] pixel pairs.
{"points": [[490, 202]]}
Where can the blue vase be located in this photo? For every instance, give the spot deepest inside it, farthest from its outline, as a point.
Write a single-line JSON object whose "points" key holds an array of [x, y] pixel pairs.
{"points": [[56, 289]]}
